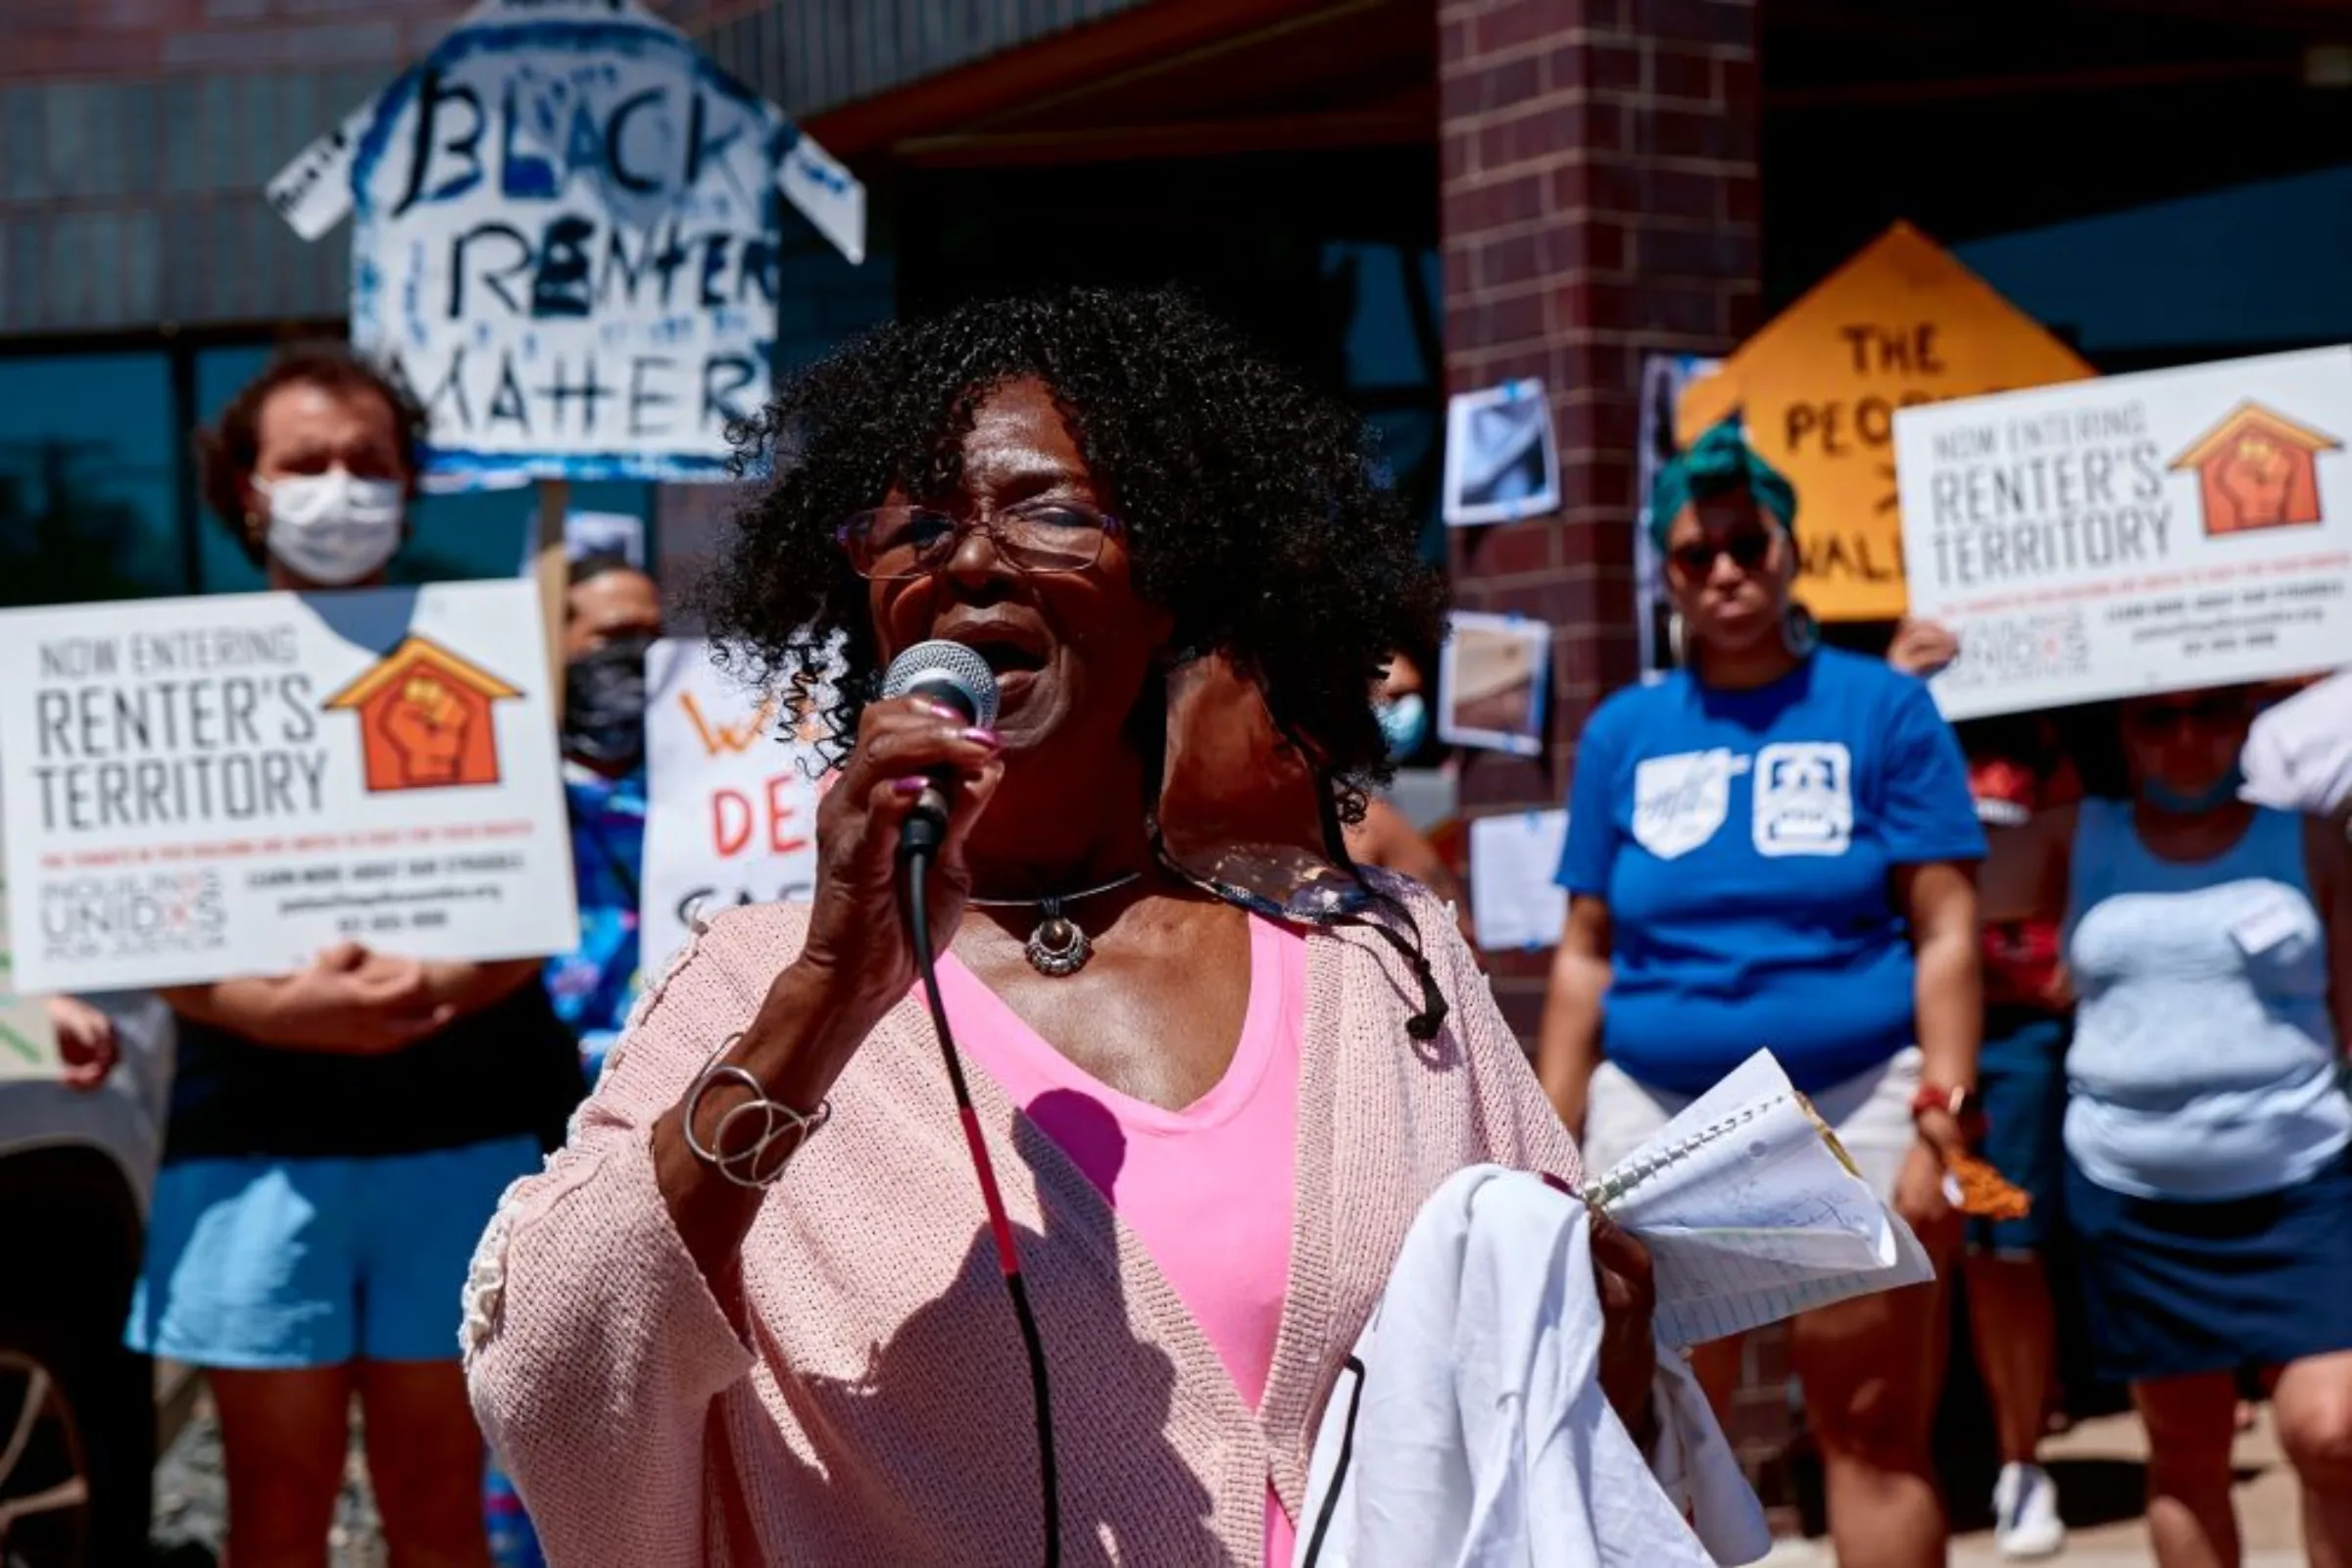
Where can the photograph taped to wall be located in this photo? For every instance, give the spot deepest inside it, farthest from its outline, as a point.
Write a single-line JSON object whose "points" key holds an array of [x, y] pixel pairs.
{"points": [[1492, 683], [1502, 462]]}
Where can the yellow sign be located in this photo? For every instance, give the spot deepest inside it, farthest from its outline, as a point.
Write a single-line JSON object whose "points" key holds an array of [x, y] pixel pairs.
{"points": [[1901, 322]]}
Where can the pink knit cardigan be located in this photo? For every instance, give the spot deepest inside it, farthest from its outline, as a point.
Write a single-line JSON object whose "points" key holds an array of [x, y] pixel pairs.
{"points": [[855, 1391]]}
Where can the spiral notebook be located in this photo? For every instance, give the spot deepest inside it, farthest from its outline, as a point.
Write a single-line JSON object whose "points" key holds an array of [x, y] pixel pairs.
{"points": [[1752, 1212]]}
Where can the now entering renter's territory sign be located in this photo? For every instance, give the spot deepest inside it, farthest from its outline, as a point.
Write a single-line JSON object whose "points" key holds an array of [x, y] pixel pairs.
{"points": [[198, 788], [2139, 533]]}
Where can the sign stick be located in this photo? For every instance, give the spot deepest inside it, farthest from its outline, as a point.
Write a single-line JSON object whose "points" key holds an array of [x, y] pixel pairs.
{"points": [[555, 503]]}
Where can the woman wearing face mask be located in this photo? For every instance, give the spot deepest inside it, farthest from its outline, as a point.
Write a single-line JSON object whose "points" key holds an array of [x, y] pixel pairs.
{"points": [[611, 615], [2209, 942], [1385, 837], [338, 1136], [1774, 847]]}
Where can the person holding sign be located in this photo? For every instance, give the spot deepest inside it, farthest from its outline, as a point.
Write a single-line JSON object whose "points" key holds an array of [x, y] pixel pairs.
{"points": [[2208, 1138], [1213, 1128], [338, 1137], [1774, 847]]}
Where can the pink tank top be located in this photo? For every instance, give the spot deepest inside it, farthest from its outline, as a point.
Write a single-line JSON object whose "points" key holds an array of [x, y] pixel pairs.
{"points": [[1207, 1189]]}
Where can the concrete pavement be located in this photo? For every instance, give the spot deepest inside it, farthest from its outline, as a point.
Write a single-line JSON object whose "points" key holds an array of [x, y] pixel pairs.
{"points": [[2098, 1468]]}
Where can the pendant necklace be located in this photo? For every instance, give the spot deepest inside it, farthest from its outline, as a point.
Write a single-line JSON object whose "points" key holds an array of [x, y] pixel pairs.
{"points": [[1056, 946]]}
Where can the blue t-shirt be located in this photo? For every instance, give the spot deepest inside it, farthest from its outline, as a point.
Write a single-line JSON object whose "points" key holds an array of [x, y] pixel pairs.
{"points": [[1743, 843], [595, 985]]}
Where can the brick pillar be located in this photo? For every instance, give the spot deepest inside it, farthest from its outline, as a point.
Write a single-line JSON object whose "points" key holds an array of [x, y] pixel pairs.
{"points": [[1599, 184]]}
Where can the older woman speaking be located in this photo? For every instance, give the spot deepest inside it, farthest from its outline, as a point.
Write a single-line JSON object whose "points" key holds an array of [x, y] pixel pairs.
{"points": [[1213, 1127]]}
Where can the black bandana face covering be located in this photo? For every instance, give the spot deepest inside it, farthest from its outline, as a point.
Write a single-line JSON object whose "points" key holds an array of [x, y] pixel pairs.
{"points": [[604, 703]]}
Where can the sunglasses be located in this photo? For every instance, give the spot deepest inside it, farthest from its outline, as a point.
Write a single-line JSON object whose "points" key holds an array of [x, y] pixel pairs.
{"points": [[2205, 712], [1748, 549]]}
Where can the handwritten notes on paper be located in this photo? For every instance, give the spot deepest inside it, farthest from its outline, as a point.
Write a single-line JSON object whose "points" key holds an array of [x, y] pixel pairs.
{"points": [[1751, 1212]]}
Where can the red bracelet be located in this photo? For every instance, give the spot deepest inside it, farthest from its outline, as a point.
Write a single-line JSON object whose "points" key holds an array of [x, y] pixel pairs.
{"points": [[1954, 1101]]}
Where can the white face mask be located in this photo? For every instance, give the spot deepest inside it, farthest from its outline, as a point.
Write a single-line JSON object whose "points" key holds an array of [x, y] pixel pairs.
{"points": [[331, 527]]}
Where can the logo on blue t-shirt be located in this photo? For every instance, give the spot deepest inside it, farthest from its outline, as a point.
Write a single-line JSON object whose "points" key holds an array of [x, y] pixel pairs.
{"points": [[1804, 798], [1680, 801]]}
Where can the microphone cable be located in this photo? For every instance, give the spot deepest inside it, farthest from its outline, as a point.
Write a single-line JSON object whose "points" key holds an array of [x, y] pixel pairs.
{"points": [[914, 864]]}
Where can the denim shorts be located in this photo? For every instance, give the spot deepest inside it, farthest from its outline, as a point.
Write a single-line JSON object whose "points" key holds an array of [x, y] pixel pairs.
{"points": [[268, 1264]]}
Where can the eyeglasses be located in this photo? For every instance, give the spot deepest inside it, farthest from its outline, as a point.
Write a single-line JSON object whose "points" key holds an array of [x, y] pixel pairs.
{"points": [[892, 543], [2206, 712], [1749, 550]]}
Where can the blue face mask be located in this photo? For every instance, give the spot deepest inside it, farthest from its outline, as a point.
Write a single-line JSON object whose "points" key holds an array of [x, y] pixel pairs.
{"points": [[2188, 803], [1405, 722]]}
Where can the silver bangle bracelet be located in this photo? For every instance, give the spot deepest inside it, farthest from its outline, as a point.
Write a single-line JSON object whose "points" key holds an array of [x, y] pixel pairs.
{"points": [[756, 1140]]}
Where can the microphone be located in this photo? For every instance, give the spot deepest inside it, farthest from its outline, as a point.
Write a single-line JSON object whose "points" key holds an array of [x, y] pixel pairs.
{"points": [[948, 672], [952, 674]]}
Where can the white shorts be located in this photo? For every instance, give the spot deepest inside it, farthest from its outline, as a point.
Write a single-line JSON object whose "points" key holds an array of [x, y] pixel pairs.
{"points": [[1871, 1112]]}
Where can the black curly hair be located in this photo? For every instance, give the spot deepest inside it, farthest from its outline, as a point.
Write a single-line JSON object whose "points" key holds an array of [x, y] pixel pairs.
{"points": [[1259, 513]]}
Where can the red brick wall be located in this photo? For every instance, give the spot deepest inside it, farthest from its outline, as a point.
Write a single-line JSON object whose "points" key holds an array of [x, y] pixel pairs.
{"points": [[147, 37], [1600, 188]]}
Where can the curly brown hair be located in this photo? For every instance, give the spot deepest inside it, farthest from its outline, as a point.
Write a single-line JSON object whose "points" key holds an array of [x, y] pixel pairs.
{"points": [[226, 452]]}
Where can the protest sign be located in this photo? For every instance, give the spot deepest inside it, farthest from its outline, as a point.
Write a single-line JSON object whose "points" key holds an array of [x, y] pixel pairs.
{"points": [[1901, 323], [2153, 532], [731, 790], [197, 788], [619, 534], [28, 1038], [567, 232]]}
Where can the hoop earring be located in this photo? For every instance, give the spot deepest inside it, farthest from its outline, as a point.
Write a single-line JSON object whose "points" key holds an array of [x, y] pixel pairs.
{"points": [[1677, 647], [1801, 631]]}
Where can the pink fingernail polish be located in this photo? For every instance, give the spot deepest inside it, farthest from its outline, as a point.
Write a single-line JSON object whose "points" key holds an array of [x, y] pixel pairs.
{"points": [[911, 786], [982, 737], [953, 715]]}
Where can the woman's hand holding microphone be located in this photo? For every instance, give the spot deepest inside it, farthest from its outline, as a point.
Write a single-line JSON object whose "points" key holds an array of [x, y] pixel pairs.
{"points": [[855, 964], [857, 952]]}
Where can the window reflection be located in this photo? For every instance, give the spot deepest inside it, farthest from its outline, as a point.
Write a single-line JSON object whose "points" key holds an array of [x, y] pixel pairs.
{"points": [[86, 497], [1388, 304]]}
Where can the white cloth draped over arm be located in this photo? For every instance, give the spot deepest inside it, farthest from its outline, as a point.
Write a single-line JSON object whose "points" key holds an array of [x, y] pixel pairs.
{"points": [[1471, 1430]]}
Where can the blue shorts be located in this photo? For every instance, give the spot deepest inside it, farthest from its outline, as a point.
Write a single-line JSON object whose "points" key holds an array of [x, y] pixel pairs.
{"points": [[2021, 1084], [268, 1264]]}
